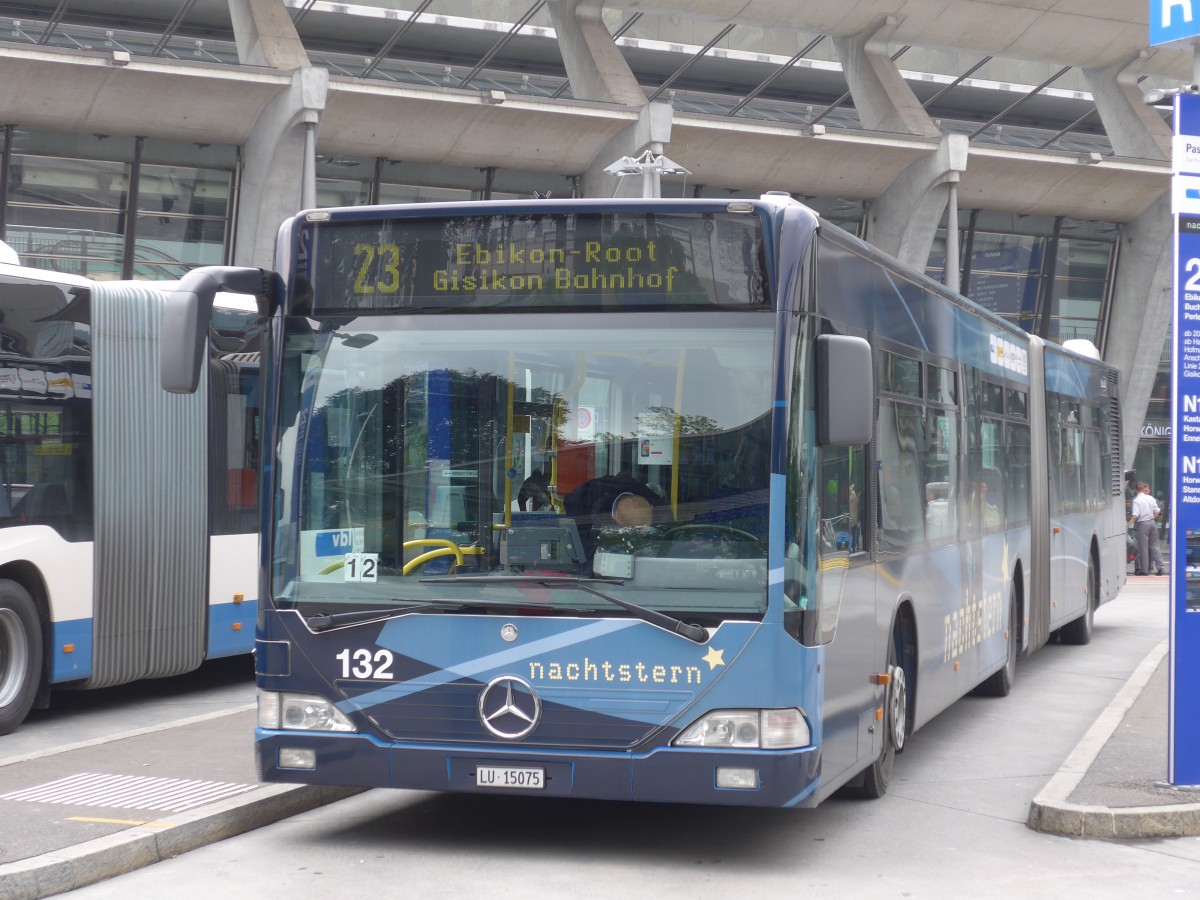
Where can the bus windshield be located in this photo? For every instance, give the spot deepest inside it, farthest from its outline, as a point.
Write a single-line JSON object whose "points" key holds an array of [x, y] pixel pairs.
{"points": [[505, 460]]}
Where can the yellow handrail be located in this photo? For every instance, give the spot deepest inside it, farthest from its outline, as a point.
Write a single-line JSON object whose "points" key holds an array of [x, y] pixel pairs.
{"points": [[432, 554], [443, 547]]}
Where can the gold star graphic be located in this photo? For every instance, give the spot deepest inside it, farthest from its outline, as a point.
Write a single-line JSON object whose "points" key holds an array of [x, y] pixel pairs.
{"points": [[713, 658]]}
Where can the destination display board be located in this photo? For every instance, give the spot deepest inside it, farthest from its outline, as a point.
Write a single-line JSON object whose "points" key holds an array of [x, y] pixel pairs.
{"points": [[578, 262]]}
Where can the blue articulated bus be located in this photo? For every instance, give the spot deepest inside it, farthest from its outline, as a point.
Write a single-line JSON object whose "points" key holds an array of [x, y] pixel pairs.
{"points": [[674, 500]]}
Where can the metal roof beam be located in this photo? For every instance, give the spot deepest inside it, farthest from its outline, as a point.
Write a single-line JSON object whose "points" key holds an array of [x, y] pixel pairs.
{"points": [[303, 11], [691, 62], [957, 81], [499, 45], [391, 42], [55, 18], [1033, 93], [776, 74], [169, 33]]}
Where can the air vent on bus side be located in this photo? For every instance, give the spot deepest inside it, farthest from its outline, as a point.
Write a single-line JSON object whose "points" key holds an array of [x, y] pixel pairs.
{"points": [[1116, 474]]}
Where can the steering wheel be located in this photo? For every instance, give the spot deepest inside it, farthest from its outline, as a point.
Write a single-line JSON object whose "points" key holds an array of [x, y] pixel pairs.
{"points": [[724, 531]]}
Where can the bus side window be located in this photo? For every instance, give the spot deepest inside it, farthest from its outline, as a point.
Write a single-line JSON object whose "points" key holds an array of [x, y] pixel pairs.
{"points": [[843, 481], [941, 474], [44, 500], [901, 491], [991, 481]]}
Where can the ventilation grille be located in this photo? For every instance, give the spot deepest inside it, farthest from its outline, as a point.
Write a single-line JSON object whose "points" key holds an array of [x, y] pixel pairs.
{"points": [[1117, 476]]}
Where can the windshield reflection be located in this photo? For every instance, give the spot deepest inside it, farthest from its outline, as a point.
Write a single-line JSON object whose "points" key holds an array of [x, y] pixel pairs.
{"points": [[413, 455]]}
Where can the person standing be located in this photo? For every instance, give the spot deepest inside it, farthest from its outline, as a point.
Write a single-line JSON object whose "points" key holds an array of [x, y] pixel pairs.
{"points": [[1143, 516]]}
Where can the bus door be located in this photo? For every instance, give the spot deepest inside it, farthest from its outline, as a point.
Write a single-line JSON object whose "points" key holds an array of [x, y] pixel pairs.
{"points": [[1073, 490], [846, 584]]}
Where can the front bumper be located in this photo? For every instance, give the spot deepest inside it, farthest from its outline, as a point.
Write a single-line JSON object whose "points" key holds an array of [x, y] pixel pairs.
{"points": [[666, 775]]}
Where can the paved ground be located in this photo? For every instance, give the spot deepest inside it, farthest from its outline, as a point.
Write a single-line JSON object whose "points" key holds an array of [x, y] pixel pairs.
{"points": [[192, 783], [80, 814], [1115, 783]]}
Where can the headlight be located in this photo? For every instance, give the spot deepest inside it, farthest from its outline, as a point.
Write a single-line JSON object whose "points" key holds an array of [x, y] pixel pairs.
{"points": [[748, 729], [300, 712]]}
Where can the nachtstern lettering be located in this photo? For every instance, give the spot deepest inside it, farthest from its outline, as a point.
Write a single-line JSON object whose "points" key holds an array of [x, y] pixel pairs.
{"points": [[979, 619], [606, 671]]}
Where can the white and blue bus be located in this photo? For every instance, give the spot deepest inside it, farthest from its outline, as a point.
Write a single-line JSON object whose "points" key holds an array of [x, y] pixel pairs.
{"points": [[675, 500], [128, 517]]}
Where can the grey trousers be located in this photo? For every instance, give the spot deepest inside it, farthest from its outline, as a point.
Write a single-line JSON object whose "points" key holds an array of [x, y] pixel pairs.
{"points": [[1147, 546]]}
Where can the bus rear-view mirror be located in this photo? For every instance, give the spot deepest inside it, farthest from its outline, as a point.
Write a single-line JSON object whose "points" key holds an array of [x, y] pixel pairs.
{"points": [[845, 391]]}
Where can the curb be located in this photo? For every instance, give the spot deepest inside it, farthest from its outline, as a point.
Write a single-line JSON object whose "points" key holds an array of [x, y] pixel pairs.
{"points": [[115, 854], [1051, 813]]}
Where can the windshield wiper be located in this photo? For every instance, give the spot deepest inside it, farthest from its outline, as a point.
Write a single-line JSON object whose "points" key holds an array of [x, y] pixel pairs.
{"points": [[696, 633], [325, 621]]}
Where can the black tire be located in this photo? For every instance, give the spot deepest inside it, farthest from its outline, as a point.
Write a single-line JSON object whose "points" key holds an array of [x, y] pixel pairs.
{"points": [[1079, 631], [1000, 683], [895, 727], [20, 654]]}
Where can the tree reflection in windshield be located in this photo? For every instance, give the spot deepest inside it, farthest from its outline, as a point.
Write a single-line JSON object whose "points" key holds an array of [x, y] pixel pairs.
{"points": [[484, 451]]}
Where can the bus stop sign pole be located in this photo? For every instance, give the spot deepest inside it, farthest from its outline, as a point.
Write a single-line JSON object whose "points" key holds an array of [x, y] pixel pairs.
{"points": [[1174, 21], [1184, 715]]}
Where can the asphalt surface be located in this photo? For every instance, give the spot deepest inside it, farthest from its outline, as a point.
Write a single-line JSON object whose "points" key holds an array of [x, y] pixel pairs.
{"points": [[82, 813], [1115, 782], [79, 814]]}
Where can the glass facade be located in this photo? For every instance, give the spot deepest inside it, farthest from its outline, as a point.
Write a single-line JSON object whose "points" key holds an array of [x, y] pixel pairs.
{"points": [[115, 207], [111, 207], [1049, 277], [1153, 461], [355, 181]]}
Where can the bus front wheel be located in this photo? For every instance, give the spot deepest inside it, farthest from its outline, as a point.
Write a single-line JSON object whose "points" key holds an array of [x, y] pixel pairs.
{"points": [[895, 726], [20, 654]]}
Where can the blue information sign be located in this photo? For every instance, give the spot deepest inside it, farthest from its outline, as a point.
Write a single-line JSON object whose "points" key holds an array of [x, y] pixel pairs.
{"points": [[1184, 722], [1173, 20]]}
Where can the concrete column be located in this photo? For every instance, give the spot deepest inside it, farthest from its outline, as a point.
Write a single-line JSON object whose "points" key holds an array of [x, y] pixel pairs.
{"points": [[274, 166], [595, 67], [905, 219], [1141, 314], [265, 35], [1135, 129], [882, 97], [651, 132], [1143, 285]]}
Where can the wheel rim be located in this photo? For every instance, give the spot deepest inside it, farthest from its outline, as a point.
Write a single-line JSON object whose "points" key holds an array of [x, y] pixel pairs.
{"points": [[898, 707], [1093, 593], [14, 656], [1014, 640]]}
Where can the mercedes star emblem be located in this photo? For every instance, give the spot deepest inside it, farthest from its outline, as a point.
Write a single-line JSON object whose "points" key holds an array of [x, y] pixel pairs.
{"points": [[509, 708]]}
